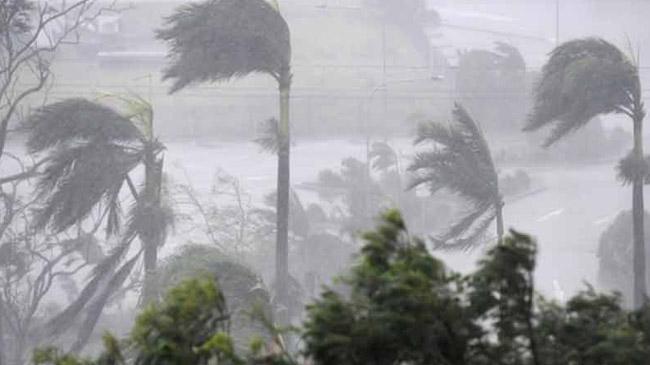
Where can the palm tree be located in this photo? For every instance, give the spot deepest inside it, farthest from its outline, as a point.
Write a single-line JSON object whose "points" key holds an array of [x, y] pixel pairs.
{"points": [[153, 216], [460, 161], [91, 149], [217, 40], [585, 78]]}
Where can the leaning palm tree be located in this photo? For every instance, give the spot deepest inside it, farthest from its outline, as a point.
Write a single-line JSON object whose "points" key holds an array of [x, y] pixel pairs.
{"points": [[217, 40], [583, 79], [460, 161], [91, 150]]}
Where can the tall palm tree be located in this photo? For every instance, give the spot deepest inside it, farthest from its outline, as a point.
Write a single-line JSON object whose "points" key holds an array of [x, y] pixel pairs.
{"points": [[217, 40], [91, 150], [585, 78], [460, 161]]}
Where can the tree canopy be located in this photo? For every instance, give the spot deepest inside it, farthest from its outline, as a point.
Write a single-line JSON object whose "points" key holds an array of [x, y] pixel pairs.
{"points": [[216, 40], [459, 160], [582, 79]]}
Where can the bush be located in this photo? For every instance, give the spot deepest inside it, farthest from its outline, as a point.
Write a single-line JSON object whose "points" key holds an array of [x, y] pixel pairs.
{"points": [[242, 289]]}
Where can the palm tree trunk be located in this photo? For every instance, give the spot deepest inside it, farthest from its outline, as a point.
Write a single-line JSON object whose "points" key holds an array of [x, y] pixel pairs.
{"points": [[282, 216], [150, 263], [2, 333], [499, 213], [151, 240], [503, 307], [638, 210]]}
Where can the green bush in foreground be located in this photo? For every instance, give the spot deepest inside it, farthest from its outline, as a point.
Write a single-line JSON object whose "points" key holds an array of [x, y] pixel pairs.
{"points": [[401, 306]]}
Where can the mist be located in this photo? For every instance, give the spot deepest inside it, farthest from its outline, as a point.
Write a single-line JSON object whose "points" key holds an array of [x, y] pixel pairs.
{"points": [[139, 149]]}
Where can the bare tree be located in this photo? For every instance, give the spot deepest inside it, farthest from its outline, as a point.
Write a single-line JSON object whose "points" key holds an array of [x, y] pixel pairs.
{"points": [[31, 31], [31, 265]]}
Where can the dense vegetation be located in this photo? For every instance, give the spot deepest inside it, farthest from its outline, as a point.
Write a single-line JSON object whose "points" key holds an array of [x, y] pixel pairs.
{"points": [[399, 305]]}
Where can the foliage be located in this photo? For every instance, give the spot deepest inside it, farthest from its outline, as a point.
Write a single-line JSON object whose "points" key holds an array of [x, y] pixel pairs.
{"points": [[111, 355], [31, 33], [460, 161], [225, 217], [237, 229], [592, 143], [615, 255], [630, 168], [32, 266], [592, 329], [401, 307], [193, 315], [190, 326], [91, 150], [501, 292], [269, 139], [582, 79], [242, 37], [243, 290], [90, 155], [217, 40], [492, 84], [360, 194], [356, 193], [585, 78]]}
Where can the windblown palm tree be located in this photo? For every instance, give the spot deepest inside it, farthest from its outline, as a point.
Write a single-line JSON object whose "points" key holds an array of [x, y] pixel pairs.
{"points": [[460, 161], [217, 40], [91, 150], [581, 80]]}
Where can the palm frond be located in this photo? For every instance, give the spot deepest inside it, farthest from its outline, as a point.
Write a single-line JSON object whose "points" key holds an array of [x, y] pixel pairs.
{"points": [[582, 79], [114, 211], [467, 232], [437, 133], [95, 308], [216, 40], [102, 271], [270, 137], [92, 148], [629, 168], [138, 110], [72, 120], [76, 179], [465, 223], [459, 160]]}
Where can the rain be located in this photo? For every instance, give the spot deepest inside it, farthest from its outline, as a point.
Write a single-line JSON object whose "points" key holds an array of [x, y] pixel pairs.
{"points": [[277, 169]]}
